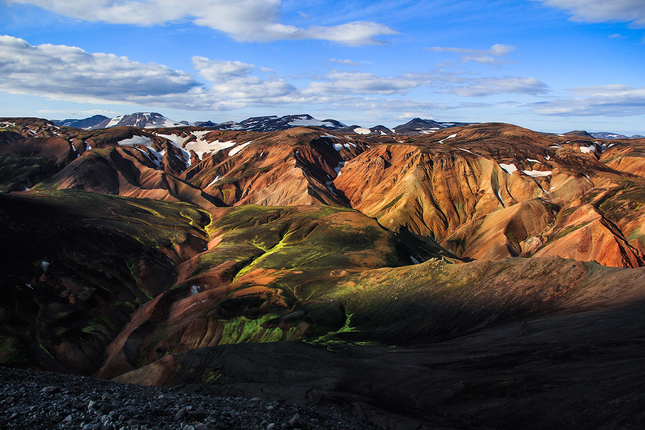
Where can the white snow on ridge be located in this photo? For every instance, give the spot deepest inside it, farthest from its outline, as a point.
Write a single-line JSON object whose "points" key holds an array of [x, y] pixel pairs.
{"points": [[537, 173], [452, 136], [214, 180], [237, 149], [114, 121], [136, 140], [587, 149], [508, 168], [337, 169], [470, 152], [200, 134], [202, 147], [310, 122], [532, 160], [362, 130], [177, 140]]}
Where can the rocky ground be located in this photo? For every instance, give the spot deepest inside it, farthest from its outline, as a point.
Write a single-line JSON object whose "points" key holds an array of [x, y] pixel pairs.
{"points": [[42, 400]]}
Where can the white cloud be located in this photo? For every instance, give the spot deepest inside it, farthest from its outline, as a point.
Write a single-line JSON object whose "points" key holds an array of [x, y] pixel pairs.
{"points": [[65, 72], [605, 100], [217, 70], [338, 82], [233, 80], [603, 10], [484, 56], [243, 20], [69, 73], [345, 62], [70, 113], [480, 87]]}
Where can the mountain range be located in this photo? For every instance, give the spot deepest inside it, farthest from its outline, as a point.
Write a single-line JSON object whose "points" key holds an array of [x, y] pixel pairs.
{"points": [[493, 271], [415, 126]]}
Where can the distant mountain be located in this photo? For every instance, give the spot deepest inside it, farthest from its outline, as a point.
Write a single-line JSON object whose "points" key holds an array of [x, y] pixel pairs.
{"points": [[82, 123], [580, 133], [417, 126], [611, 136], [275, 123], [141, 120], [207, 124], [424, 126]]}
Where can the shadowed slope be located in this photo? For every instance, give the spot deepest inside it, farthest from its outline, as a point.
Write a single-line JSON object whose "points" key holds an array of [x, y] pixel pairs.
{"points": [[78, 265]]}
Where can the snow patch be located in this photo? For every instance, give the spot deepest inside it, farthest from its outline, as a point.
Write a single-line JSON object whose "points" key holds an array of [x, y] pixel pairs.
{"points": [[452, 136], [338, 146], [136, 140], [114, 121], [414, 260], [337, 169], [195, 289], [532, 160], [587, 149], [202, 147], [177, 140], [214, 180], [361, 130], [499, 197], [508, 168], [237, 149], [310, 122], [470, 152], [537, 173]]}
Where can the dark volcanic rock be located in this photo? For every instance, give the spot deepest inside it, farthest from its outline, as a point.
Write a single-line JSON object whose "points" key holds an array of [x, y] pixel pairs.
{"points": [[575, 371], [41, 400]]}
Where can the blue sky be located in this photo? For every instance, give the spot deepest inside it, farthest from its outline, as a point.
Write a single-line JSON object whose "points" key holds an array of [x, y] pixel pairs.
{"points": [[548, 65]]}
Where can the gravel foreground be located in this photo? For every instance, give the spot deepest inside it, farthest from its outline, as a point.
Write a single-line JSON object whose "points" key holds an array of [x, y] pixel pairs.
{"points": [[43, 400]]}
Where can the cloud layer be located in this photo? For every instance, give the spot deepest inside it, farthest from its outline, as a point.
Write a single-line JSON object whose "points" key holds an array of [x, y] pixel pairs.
{"points": [[69, 73], [484, 56], [603, 10], [243, 20], [65, 72], [605, 100]]}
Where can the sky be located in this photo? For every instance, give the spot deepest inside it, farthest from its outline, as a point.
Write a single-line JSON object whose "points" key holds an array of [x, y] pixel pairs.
{"points": [[547, 65]]}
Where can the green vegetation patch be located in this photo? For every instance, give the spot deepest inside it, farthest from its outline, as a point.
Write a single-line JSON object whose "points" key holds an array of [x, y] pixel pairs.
{"points": [[242, 330]]}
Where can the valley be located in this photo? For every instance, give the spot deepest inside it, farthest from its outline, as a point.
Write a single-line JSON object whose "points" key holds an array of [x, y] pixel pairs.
{"points": [[471, 276]]}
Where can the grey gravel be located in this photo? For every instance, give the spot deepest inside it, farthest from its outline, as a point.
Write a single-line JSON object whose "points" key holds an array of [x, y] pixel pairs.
{"points": [[43, 400]]}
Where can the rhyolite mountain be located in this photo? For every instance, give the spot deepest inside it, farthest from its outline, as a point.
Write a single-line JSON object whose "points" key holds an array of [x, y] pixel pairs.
{"points": [[479, 267], [139, 119], [258, 124]]}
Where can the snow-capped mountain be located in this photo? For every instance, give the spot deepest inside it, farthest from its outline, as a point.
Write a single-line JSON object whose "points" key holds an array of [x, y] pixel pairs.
{"points": [[425, 126], [259, 124], [275, 123], [609, 135], [141, 120]]}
